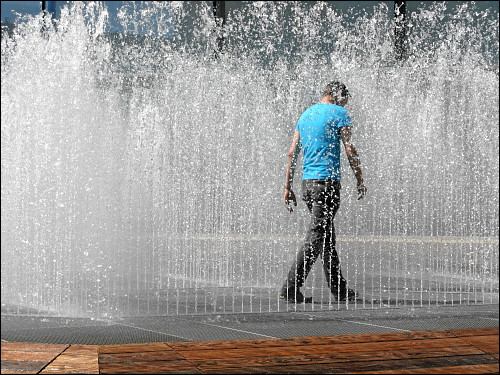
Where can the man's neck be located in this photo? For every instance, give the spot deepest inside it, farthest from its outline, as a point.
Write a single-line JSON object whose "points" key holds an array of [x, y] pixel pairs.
{"points": [[327, 100]]}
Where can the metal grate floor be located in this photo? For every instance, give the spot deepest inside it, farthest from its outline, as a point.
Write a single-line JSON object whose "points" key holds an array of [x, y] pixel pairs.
{"points": [[65, 330]]}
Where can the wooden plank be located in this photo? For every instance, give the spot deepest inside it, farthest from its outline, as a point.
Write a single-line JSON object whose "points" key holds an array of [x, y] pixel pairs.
{"points": [[163, 367], [318, 349], [368, 366], [140, 357], [133, 348], [336, 357], [14, 355], [82, 349], [77, 359], [240, 370], [489, 344], [490, 368], [21, 367], [73, 364], [310, 340], [30, 347], [475, 331]]}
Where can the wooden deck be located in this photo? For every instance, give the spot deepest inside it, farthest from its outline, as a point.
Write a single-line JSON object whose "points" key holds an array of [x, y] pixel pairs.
{"points": [[467, 351]]}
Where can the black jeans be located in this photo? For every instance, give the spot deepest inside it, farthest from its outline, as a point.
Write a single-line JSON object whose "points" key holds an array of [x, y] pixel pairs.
{"points": [[323, 199]]}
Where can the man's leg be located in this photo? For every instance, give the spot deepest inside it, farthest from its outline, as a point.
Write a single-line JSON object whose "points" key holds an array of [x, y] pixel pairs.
{"points": [[314, 195], [304, 260], [331, 263]]}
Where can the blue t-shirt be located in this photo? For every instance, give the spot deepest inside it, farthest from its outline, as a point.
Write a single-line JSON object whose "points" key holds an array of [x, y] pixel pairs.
{"points": [[319, 135]]}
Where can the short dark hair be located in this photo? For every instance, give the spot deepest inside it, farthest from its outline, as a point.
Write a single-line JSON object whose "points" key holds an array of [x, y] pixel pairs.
{"points": [[334, 87]]}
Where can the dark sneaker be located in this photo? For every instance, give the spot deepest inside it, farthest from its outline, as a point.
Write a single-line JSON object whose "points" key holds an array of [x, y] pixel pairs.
{"points": [[349, 295], [294, 296]]}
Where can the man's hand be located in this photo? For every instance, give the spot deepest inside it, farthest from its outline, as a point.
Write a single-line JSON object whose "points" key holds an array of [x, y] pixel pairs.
{"points": [[361, 191], [289, 197]]}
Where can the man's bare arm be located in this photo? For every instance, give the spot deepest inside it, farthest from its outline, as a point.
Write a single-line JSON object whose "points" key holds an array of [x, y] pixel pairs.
{"points": [[354, 161], [293, 154]]}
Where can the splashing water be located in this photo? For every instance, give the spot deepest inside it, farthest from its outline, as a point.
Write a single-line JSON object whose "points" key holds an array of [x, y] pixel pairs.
{"points": [[142, 174]]}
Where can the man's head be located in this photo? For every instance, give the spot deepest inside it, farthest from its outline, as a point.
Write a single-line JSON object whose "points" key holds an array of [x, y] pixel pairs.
{"points": [[337, 93]]}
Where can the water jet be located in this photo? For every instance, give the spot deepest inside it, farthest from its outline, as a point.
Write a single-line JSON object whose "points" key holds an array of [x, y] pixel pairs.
{"points": [[142, 176]]}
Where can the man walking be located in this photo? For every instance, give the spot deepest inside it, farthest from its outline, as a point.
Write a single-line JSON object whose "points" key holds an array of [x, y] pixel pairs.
{"points": [[318, 132]]}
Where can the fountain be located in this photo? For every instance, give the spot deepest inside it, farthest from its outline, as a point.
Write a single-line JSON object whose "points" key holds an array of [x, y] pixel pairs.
{"points": [[142, 172]]}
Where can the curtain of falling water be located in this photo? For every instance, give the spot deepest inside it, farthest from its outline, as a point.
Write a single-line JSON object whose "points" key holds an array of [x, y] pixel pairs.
{"points": [[143, 176]]}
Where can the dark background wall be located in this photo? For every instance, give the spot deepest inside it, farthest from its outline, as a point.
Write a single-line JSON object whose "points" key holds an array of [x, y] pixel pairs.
{"points": [[10, 8]]}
